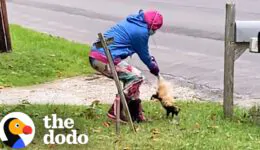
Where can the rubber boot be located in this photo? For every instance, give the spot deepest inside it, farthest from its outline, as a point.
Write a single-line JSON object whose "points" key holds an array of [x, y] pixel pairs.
{"points": [[141, 117], [136, 110], [112, 111]]}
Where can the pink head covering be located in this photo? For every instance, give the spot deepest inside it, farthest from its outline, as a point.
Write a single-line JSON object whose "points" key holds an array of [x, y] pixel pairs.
{"points": [[154, 19]]}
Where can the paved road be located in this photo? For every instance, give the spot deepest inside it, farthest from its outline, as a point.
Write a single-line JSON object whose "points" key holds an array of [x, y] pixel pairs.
{"points": [[189, 48]]}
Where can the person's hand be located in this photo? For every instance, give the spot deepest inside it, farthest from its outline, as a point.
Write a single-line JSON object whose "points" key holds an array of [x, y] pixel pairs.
{"points": [[154, 69]]}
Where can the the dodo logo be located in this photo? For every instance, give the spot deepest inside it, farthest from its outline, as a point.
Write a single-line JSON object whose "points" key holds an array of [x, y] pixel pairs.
{"points": [[17, 130]]}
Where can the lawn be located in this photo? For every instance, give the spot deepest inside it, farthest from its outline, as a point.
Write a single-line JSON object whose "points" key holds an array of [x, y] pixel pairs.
{"points": [[39, 57], [201, 127]]}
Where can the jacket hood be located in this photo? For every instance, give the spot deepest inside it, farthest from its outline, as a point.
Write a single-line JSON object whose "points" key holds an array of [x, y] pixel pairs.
{"points": [[138, 19]]}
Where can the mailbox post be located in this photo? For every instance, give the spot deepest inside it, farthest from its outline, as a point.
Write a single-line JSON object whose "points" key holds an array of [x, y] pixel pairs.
{"points": [[239, 36], [229, 60]]}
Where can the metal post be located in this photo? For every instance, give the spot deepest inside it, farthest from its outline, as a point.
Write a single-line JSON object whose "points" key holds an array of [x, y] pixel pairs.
{"points": [[229, 60], [119, 87]]}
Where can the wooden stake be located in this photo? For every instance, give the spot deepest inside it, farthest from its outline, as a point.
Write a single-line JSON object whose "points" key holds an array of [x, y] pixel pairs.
{"points": [[119, 87], [5, 39]]}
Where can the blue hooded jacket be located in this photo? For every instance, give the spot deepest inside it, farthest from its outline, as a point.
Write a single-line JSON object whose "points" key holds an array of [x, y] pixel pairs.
{"points": [[130, 36]]}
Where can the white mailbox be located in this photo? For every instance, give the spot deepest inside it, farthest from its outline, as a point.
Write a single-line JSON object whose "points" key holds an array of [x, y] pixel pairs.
{"points": [[249, 32], [245, 30]]}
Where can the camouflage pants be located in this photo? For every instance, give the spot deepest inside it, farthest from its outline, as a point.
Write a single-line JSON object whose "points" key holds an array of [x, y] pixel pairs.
{"points": [[130, 76]]}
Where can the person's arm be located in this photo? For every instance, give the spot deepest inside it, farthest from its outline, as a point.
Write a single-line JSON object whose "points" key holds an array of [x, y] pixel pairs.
{"points": [[141, 48]]}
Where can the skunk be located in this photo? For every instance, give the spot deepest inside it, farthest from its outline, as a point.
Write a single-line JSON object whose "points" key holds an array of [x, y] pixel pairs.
{"points": [[164, 96]]}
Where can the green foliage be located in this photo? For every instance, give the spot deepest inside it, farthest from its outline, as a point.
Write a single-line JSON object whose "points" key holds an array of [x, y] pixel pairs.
{"points": [[38, 57], [201, 126], [254, 114]]}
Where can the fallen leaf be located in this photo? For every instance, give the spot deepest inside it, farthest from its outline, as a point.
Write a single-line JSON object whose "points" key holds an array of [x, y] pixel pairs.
{"points": [[2, 87], [137, 129], [155, 131], [96, 130], [51, 146], [106, 124], [197, 125]]}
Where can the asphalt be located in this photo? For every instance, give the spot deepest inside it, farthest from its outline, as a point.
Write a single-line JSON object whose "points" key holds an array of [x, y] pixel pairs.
{"points": [[189, 48]]}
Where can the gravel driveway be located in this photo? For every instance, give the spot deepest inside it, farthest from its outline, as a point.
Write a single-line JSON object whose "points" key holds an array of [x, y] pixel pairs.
{"points": [[77, 90], [85, 89]]}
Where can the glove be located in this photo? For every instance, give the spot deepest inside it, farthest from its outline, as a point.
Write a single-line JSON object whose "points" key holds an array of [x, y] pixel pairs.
{"points": [[154, 69]]}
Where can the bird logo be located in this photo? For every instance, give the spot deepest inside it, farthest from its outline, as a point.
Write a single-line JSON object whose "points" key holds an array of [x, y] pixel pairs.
{"points": [[17, 130]]}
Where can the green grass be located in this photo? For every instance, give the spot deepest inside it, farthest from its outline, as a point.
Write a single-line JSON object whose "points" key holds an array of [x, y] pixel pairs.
{"points": [[201, 127], [38, 57]]}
